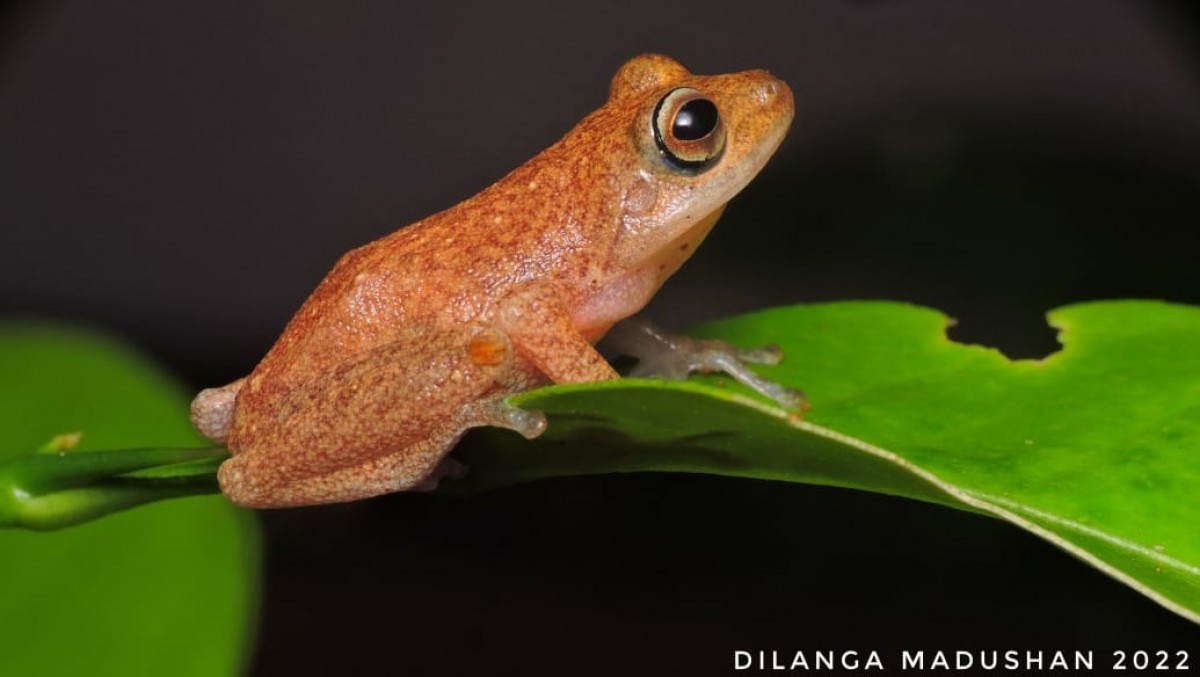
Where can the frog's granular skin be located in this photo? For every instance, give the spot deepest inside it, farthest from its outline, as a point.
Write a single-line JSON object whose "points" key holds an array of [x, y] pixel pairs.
{"points": [[382, 369]]}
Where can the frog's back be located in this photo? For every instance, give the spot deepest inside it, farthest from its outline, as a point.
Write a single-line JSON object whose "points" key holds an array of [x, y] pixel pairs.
{"points": [[412, 339], [362, 303], [450, 268]]}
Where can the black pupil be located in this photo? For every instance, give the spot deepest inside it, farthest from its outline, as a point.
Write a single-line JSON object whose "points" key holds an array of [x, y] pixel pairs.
{"points": [[695, 120]]}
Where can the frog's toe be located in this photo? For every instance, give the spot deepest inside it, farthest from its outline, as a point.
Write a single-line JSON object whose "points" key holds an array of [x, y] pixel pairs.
{"points": [[667, 366], [529, 424], [788, 398], [498, 413], [712, 356], [770, 354]]}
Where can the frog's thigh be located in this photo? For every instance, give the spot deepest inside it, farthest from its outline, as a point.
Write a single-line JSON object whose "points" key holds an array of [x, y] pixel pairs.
{"points": [[397, 471], [417, 466], [407, 402]]}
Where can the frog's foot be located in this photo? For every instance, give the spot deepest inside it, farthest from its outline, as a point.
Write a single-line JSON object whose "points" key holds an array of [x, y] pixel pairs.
{"points": [[673, 357], [489, 412], [494, 411]]}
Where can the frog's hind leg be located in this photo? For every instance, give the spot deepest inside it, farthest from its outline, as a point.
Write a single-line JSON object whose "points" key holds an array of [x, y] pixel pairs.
{"points": [[374, 424], [419, 466], [395, 472]]}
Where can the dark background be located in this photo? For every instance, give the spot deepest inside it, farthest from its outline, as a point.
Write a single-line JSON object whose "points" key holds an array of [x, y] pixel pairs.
{"points": [[183, 173]]}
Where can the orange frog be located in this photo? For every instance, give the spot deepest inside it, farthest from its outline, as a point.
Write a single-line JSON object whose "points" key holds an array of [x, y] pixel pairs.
{"points": [[416, 337]]}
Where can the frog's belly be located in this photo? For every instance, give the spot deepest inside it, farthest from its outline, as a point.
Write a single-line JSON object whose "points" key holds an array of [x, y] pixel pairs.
{"points": [[619, 299]]}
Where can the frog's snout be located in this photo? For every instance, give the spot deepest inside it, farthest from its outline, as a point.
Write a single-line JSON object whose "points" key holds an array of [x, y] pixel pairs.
{"points": [[769, 91]]}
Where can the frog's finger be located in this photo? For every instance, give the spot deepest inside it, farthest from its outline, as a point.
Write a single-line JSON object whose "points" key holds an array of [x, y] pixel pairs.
{"points": [[724, 361], [669, 356], [499, 413], [768, 354]]}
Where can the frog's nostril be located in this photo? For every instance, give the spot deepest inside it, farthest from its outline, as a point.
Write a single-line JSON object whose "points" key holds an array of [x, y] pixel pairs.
{"points": [[766, 92]]}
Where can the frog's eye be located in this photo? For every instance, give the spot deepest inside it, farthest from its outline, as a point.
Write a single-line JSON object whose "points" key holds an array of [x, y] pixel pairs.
{"points": [[688, 129]]}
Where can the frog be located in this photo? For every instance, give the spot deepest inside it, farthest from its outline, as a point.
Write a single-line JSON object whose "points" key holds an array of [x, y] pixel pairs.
{"points": [[415, 338]]}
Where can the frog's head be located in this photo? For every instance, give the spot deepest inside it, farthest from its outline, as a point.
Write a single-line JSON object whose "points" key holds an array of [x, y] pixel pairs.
{"points": [[694, 141]]}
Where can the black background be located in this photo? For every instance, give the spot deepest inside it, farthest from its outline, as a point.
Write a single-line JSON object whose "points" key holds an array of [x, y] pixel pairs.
{"points": [[183, 173]]}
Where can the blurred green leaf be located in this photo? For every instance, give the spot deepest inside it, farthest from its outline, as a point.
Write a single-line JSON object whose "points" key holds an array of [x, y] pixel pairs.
{"points": [[169, 589], [1095, 448]]}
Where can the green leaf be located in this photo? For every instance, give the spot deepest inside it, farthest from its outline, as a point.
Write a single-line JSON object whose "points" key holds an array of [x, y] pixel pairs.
{"points": [[169, 589], [1095, 448]]}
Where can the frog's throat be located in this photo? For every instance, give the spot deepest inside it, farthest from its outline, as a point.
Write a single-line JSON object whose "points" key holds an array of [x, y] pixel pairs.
{"points": [[672, 256]]}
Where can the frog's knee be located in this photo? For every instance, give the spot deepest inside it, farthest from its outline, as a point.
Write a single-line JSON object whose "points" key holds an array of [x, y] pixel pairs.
{"points": [[212, 410]]}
